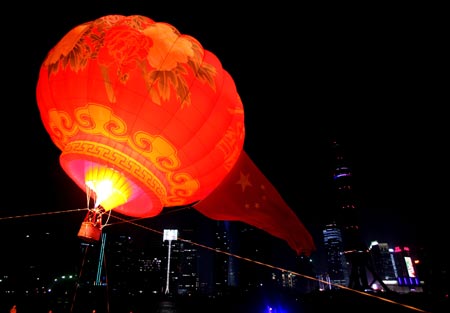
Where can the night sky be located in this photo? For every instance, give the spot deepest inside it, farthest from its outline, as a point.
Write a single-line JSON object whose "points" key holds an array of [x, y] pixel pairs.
{"points": [[371, 77]]}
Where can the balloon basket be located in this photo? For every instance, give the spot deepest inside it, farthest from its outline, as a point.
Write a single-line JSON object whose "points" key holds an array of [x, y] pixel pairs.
{"points": [[90, 232], [91, 228]]}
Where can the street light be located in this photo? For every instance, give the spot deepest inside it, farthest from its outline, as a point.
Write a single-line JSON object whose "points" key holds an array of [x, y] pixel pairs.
{"points": [[169, 234]]}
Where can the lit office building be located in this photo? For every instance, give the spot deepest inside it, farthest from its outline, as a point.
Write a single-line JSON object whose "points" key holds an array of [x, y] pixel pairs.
{"points": [[397, 267], [381, 259], [336, 263], [188, 279], [406, 270]]}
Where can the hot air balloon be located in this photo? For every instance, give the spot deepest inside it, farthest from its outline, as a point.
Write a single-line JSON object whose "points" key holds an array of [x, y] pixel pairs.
{"points": [[144, 116]]}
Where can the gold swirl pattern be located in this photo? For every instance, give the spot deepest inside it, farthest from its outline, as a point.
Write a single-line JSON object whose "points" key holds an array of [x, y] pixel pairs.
{"points": [[99, 120]]}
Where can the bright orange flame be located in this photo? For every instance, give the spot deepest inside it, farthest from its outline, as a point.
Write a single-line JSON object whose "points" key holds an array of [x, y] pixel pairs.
{"points": [[111, 188]]}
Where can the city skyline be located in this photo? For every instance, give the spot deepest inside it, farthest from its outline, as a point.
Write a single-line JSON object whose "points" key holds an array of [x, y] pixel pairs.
{"points": [[51, 250], [261, 253], [125, 254]]}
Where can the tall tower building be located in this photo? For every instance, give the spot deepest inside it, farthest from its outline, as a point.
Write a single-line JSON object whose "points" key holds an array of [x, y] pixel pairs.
{"points": [[347, 218]]}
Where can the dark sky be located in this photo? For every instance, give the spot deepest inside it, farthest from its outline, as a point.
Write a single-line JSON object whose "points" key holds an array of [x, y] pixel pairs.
{"points": [[371, 77]]}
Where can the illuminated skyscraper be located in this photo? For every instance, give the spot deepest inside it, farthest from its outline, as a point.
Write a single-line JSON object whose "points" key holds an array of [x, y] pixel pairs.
{"points": [[347, 219], [336, 264], [381, 257]]}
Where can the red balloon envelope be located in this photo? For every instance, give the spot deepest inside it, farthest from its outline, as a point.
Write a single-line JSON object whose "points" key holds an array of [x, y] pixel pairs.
{"points": [[144, 116]]}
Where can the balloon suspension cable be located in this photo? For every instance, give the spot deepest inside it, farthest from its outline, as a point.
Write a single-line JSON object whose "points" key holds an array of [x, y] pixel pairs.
{"points": [[107, 219], [88, 196], [95, 215]]}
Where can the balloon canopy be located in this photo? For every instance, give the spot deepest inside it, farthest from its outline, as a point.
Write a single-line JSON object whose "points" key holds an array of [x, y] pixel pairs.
{"points": [[144, 116]]}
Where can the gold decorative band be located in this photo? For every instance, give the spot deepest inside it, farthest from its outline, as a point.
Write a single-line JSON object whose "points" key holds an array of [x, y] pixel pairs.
{"points": [[118, 160]]}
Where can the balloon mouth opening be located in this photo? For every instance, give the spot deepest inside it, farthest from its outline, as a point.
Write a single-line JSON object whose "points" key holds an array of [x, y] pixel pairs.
{"points": [[111, 188]]}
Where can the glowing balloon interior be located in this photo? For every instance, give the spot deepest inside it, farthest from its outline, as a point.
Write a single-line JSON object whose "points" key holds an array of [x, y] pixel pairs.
{"points": [[145, 118]]}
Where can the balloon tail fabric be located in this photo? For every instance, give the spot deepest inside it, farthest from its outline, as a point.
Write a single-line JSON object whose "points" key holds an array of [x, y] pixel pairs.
{"points": [[246, 195]]}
